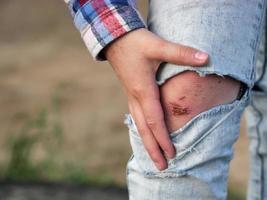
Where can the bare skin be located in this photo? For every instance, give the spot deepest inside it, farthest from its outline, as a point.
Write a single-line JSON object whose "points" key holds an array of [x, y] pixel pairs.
{"points": [[187, 94], [135, 58]]}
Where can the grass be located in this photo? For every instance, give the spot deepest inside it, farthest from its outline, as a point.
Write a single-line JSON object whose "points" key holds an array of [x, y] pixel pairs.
{"points": [[235, 194], [47, 133]]}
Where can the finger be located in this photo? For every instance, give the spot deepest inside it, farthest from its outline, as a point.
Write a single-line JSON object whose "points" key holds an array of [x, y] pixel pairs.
{"points": [[148, 139], [181, 54], [154, 117]]}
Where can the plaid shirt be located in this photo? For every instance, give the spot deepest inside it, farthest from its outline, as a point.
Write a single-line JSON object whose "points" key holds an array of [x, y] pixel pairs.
{"points": [[102, 21]]}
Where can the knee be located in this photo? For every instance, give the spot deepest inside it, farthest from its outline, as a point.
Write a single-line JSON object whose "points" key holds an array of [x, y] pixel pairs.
{"points": [[187, 94]]}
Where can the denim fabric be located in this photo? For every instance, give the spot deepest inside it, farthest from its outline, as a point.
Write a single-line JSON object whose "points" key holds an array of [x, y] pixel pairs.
{"points": [[256, 116], [230, 31], [200, 167]]}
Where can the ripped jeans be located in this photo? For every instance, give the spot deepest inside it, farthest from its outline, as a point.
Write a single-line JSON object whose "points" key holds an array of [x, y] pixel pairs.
{"points": [[233, 33]]}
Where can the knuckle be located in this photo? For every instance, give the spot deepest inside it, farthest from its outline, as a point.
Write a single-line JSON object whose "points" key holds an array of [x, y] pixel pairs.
{"points": [[152, 124], [137, 91], [180, 52], [154, 155], [160, 48], [185, 52], [160, 43], [167, 147], [142, 130]]}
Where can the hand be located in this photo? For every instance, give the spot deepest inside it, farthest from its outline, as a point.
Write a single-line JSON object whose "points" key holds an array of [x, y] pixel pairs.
{"points": [[135, 58]]}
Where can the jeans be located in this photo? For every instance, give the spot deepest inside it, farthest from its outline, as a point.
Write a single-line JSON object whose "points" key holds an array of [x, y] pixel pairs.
{"points": [[233, 33]]}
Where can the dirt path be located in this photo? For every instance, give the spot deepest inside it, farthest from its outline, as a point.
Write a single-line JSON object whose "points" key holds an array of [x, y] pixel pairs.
{"points": [[45, 191]]}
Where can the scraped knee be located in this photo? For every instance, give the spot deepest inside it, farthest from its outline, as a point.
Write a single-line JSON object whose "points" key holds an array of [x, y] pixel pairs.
{"points": [[187, 94]]}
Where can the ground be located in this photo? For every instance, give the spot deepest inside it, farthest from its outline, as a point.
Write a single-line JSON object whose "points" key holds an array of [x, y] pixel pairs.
{"points": [[44, 191]]}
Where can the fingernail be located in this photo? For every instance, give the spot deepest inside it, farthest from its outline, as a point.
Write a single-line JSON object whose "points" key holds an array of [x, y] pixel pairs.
{"points": [[158, 166], [201, 55], [162, 166], [171, 155]]}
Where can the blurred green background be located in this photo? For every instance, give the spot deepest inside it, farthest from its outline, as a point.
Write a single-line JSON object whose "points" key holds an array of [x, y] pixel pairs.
{"points": [[61, 113]]}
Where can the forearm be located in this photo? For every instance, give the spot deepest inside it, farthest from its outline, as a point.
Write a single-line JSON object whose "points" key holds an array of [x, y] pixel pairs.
{"points": [[102, 21]]}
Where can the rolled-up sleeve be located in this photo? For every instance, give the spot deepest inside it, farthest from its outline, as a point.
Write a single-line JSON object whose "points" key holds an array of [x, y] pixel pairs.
{"points": [[102, 21]]}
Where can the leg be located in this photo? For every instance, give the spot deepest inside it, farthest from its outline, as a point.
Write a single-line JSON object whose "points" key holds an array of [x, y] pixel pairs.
{"points": [[256, 116], [201, 107], [187, 94], [203, 134]]}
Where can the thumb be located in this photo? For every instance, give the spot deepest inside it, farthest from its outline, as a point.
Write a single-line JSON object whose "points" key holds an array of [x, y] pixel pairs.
{"points": [[181, 54]]}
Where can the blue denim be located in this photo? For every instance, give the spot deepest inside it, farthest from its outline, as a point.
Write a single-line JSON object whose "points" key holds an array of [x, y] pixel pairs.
{"points": [[200, 167], [232, 33], [256, 117]]}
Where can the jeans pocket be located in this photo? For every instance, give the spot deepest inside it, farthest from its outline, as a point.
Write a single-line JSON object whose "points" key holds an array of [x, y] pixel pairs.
{"points": [[207, 136]]}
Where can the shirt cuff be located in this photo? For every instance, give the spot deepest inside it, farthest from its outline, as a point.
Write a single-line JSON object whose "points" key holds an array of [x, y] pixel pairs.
{"points": [[102, 21]]}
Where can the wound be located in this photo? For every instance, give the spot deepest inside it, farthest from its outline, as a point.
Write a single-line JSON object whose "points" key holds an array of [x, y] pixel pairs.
{"points": [[178, 110], [182, 98]]}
